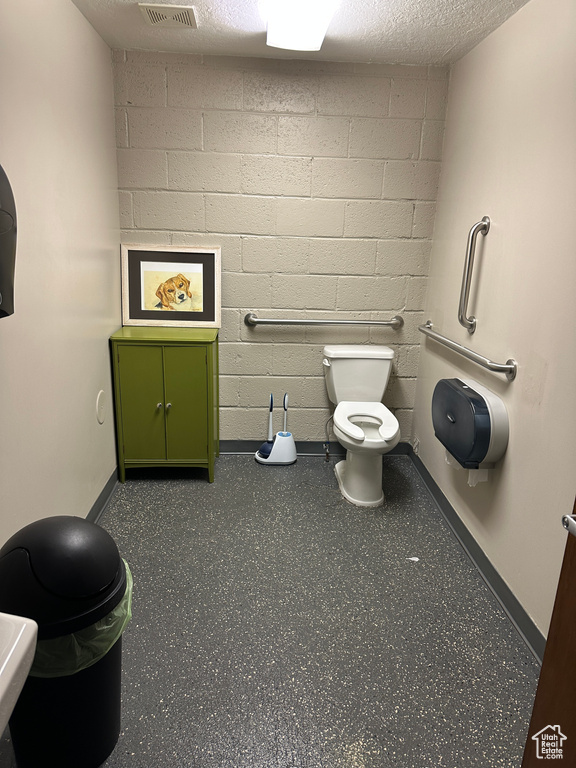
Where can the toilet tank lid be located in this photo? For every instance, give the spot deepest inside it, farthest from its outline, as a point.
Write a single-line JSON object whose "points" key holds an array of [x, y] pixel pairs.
{"points": [[360, 351]]}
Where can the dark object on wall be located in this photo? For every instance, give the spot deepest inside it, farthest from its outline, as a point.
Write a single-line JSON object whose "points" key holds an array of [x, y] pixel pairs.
{"points": [[470, 421], [66, 573], [7, 245]]}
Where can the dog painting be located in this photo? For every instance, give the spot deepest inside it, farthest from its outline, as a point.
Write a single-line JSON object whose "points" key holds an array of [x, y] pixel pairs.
{"points": [[174, 293], [167, 290], [173, 286]]}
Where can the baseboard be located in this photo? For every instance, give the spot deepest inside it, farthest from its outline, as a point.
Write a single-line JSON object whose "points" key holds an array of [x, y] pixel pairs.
{"points": [[529, 632], [303, 448], [101, 502]]}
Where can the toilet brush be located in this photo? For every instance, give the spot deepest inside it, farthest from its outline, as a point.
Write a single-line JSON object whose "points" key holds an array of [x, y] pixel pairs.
{"points": [[264, 451]]}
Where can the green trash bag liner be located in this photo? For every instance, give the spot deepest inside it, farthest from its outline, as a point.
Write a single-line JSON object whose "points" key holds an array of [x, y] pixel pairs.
{"points": [[66, 655]]}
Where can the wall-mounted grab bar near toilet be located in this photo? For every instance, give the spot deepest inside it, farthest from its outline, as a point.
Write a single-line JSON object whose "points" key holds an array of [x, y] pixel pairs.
{"points": [[509, 368], [251, 319], [470, 322]]}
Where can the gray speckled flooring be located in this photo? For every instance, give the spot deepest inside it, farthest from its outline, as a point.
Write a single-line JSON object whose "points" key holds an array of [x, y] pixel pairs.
{"points": [[275, 625]]}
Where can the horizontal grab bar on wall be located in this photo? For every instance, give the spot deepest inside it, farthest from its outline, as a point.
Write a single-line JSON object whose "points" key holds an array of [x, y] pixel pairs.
{"points": [[509, 368], [251, 319]]}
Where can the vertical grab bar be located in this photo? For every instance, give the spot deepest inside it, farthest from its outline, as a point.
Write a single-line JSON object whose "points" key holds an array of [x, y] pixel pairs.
{"points": [[470, 322]]}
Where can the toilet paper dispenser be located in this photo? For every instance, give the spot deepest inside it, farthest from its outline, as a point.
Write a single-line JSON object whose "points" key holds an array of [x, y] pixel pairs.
{"points": [[471, 422]]}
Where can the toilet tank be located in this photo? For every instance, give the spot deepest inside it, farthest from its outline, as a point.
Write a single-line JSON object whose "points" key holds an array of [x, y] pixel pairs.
{"points": [[358, 372]]}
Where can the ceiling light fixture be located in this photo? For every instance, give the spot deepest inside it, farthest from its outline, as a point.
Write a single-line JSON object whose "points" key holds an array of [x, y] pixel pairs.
{"points": [[298, 25]]}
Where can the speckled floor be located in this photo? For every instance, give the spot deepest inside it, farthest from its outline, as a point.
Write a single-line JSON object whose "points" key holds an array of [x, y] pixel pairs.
{"points": [[278, 626]]}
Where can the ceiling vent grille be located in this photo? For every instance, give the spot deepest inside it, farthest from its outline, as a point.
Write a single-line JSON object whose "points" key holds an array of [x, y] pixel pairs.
{"points": [[168, 15]]}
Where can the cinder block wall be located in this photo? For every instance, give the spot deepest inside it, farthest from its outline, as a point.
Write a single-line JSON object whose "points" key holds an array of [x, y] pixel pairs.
{"points": [[318, 180]]}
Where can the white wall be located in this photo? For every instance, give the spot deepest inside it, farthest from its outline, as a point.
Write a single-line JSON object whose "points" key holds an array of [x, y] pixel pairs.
{"points": [[318, 180], [510, 153], [57, 148]]}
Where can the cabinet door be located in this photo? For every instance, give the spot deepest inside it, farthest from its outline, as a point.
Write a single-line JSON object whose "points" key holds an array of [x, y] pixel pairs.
{"points": [[141, 392], [186, 391]]}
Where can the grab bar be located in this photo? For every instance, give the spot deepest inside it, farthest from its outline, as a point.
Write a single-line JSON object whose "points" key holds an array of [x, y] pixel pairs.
{"points": [[509, 368], [470, 322], [251, 320]]}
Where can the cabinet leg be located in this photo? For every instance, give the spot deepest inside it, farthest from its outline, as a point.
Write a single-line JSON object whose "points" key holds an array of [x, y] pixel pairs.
{"points": [[121, 473]]}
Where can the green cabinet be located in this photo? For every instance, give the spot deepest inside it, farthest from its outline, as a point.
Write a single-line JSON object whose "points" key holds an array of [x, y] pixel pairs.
{"points": [[166, 395]]}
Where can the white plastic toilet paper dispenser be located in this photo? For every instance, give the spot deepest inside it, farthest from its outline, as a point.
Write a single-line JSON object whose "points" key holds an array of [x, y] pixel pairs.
{"points": [[471, 423]]}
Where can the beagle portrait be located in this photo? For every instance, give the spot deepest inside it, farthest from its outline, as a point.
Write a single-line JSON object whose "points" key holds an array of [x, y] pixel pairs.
{"points": [[174, 294]]}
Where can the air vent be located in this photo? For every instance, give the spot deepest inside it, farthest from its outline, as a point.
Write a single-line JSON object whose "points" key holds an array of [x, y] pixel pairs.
{"points": [[173, 16]]}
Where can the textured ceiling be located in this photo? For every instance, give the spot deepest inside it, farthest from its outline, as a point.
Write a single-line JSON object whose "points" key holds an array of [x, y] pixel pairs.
{"points": [[387, 31]]}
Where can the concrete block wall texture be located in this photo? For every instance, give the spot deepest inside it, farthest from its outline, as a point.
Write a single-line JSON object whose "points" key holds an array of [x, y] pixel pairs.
{"points": [[317, 180]]}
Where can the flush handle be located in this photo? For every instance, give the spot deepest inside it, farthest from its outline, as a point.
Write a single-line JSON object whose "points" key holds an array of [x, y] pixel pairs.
{"points": [[451, 418]]}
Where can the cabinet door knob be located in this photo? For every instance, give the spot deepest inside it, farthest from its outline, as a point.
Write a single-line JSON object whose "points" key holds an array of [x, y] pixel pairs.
{"points": [[168, 405], [158, 405]]}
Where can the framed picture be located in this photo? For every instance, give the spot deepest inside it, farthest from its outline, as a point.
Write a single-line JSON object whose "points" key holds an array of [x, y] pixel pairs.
{"points": [[170, 286]]}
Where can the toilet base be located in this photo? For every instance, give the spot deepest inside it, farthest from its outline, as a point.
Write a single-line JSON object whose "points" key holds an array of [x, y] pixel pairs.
{"points": [[360, 479]]}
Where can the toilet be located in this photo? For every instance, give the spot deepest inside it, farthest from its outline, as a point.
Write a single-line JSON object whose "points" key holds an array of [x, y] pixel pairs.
{"points": [[356, 377]]}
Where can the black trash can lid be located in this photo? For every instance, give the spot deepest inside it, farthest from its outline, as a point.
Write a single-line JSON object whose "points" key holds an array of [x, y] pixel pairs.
{"points": [[64, 572]]}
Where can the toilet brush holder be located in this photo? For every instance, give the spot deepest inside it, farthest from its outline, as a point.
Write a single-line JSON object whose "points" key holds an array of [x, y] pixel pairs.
{"points": [[283, 450]]}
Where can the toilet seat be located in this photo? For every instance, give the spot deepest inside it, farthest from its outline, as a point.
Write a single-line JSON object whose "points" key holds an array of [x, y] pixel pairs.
{"points": [[347, 410]]}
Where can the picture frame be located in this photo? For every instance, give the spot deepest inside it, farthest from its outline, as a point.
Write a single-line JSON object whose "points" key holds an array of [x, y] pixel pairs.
{"points": [[176, 286]]}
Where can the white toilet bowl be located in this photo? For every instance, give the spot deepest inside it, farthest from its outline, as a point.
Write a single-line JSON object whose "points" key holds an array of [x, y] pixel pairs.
{"points": [[356, 378], [367, 430]]}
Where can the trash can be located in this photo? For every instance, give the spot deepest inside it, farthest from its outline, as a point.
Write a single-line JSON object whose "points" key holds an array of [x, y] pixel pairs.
{"points": [[66, 573]]}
